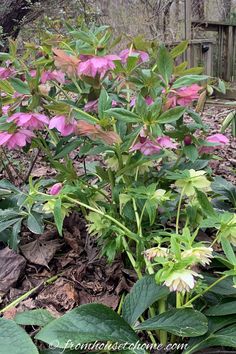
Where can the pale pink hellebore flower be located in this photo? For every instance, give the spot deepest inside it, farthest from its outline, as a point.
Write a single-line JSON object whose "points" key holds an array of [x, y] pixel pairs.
{"points": [[149, 147], [55, 75], [63, 125], [55, 189], [97, 65], [29, 120], [5, 73], [218, 139], [183, 96], [17, 139]]}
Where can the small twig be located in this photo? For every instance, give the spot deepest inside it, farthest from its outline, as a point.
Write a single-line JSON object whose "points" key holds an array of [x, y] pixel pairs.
{"points": [[33, 162], [11, 165]]}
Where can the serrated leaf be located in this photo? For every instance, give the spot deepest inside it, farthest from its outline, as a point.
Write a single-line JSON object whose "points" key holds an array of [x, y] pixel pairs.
{"points": [[191, 152], [58, 215], [35, 223], [205, 204], [88, 323], [14, 340], [145, 289], [172, 115], [179, 49], [188, 80], [165, 64], [123, 115], [181, 322]]}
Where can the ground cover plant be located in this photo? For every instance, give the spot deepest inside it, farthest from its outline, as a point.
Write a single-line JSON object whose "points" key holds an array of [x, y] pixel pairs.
{"points": [[145, 188]]}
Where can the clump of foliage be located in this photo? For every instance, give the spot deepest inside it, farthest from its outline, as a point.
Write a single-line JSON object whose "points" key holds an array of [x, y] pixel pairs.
{"points": [[148, 194]]}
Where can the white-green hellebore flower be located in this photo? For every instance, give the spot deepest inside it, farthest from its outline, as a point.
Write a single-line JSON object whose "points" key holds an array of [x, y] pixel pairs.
{"points": [[202, 255], [154, 252], [196, 179], [181, 280]]}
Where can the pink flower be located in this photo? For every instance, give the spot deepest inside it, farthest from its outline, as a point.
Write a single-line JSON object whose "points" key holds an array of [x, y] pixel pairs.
{"points": [[29, 120], [55, 75], [218, 139], [55, 189], [5, 109], [124, 54], [63, 125], [148, 100], [5, 73], [97, 65], [183, 96], [149, 147], [165, 142], [17, 139], [33, 73], [186, 95], [92, 106]]}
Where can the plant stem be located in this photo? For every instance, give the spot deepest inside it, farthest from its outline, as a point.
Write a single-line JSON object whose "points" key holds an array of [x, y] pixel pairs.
{"points": [[205, 290], [162, 309], [131, 258], [31, 291], [178, 211], [178, 300]]}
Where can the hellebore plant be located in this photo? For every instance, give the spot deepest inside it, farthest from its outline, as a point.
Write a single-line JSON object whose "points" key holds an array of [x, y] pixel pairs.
{"points": [[150, 194]]}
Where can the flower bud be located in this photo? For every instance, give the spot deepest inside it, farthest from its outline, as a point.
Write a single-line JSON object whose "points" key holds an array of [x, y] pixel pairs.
{"points": [[55, 189], [187, 140]]}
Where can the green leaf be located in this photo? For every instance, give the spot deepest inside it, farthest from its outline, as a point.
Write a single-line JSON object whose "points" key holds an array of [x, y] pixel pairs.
{"points": [[20, 86], [123, 115], [224, 287], [188, 80], [145, 289], [88, 323], [224, 188], [179, 49], [6, 87], [181, 322], [171, 115], [71, 146], [14, 340], [228, 250], [38, 317], [165, 64], [104, 103], [191, 152], [206, 206], [35, 223], [5, 224], [224, 337], [58, 216], [222, 309]]}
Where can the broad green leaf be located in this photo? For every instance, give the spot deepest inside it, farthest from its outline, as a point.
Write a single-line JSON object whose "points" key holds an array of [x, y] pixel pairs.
{"points": [[6, 86], [5, 224], [88, 323], [14, 340], [181, 322], [229, 308], [188, 80], [20, 86], [224, 188], [104, 103], [172, 115], [191, 152], [179, 49], [228, 251], [225, 287], [224, 337], [123, 114], [71, 146], [38, 317], [165, 64], [35, 223], [145, 289], [58, 215], [205, 204]]}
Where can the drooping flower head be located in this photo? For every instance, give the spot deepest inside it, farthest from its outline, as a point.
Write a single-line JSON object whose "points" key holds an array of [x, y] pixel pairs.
{"points": [[181, 280], [201, 254], [150, 147], [29, 120], [17, 139], [94, 131], [193, 179], [183, 96], [218, 139], [154, 252], [66, 63], [63, 124], [55, 75], [124, 54], [96, 65], [6, 73]]}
